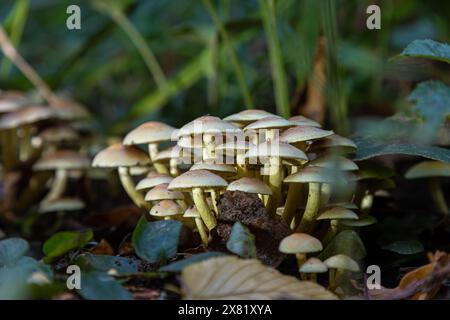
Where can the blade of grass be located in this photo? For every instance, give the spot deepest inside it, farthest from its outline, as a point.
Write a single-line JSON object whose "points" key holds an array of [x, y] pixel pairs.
{"points": [[233, 56], [267, 8], [337, 97]]}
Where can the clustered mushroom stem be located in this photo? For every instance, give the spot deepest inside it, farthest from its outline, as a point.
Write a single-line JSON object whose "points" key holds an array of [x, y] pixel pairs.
{"points": [[214, 201], [242, 170], [301, 258], [9, 152], [26, 149], [174, 167], [205, 212], [438, 196], [332, 279], [152, 152], [366, 203], [130, 188], [58, 185], [325, 194], [331, 232], [275, 180], [292, 198], [202, 231], [208, 147], [312, 207]]}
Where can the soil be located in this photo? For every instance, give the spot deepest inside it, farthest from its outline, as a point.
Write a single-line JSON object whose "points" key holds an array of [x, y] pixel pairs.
{"points": [[249, 210]]}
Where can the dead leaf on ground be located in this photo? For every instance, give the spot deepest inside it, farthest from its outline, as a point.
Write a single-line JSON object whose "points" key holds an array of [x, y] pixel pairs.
{"points": [[103, 247]]}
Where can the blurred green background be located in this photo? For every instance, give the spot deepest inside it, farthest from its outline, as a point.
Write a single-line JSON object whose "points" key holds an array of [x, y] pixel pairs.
{"points": [[171, 60]]}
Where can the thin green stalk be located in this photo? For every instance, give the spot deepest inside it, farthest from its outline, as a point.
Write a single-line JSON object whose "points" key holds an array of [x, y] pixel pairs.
{"points": [[232, 52], [276, 59]]}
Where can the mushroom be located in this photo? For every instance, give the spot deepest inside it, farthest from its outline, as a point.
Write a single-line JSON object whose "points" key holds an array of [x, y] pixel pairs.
{"points": [[337, 264], [166, 209], [197, 181], [335, 143], [151, 133], [300, 244], [248, 116], [237, 150], [52, 136], [123, 157], [271, 127], [153, 179], [60, 206], [363, 221], [160, 192], [335, 215], [312, 267], [304, 121], [433, 170], [250, 185], [61, 161], [192, 212]]}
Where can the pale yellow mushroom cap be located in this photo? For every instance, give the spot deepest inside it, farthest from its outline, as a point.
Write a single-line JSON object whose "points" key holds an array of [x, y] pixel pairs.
{"points": [[248, 116], [304, 133], [273, 122], [311, 175], [119, 155], [337, 213], [304, 121], [197, 179], [343, 262], [428, 169], [165, 208], [276, 149], [11, 101], [160, 192], [191, 212], [149, 132], [300, 243], [332, 162], [223, 170], [363, 221], [249, 185], [207, 124], [63, 159], [153, 179], [26, 115], [59, 133], [313, 265], [62, 204]]}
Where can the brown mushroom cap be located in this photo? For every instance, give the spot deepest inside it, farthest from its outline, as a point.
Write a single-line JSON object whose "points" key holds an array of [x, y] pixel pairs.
{"points": [[303, 133], [197, 179], [11, 101], [160, 192], [149, 132], [26, 115], [153, 179], [69, 109], [249, 185], [313, 265], [207, 124], [300, 243], [119, 155], [59, 133], [342, 262], [165, 208], [63, 159], [248, 116]]}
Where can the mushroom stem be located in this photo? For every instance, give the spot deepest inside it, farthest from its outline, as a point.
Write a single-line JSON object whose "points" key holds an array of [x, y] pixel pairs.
{"points": [[301, 258], [312, 207], [202, 231], [205, 212], [58, 185], [332, 279], [26, 149], [208, 146], [9, 152], [313, 277], [214, 201], [130, 188], [242, 170], [292, 200], [152, 152], [275, 179], [438, 196], [332, 231], [366, 203], [325, 194], [174, 167]]}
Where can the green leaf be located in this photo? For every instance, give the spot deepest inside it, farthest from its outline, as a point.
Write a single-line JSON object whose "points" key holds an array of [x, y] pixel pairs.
{"points": [[22, 269], [370, 148], [431, 100], [63, 242], [405, 247], [156, 242], [346, 242], [105, 263], [100, 286], [11, 250], [178, 266], [241, 241], [429, 49]]}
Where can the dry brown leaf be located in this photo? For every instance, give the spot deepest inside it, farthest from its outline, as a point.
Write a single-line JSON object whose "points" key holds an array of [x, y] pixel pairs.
{"points": [[228, 278], [103, 247]]}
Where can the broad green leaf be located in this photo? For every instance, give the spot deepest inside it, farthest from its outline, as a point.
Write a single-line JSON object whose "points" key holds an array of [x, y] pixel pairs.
{"points": [[63, 242], [241, 241], [156, 242], [105, 263], [429, 49], [405, 247], [231, 278], [370, 148], [346, 242], [11, 250], [22, 270], [432, 102], [178, 266], [100, 286]]}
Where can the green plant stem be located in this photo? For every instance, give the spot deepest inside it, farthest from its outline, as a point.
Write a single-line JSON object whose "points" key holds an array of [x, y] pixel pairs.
{"points": [[312, 207], [130, 188], [438, 196], [267, 8], [139, 42], [233, 56]]}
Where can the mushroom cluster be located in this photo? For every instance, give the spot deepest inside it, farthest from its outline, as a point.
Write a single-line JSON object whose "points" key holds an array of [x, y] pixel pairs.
{"points": [[293, 165]]}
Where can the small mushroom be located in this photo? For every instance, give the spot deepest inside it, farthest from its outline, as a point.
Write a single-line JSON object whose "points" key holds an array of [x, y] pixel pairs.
{"points": [[271, 126], [312, 267], [335, 215], [304, 121], [300, 244], [250, 185], [337, 264], [153, 179], [160, 192], [166, 209]]}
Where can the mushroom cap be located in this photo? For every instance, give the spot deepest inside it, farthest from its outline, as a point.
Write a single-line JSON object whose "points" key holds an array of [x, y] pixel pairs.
{"points": [[311, 174], [249, 185], [428, 169], [69, 109], [332, 162], [62, 204], [165, 208], [273, 122], [190, 142], [363, 221], [26, 115], [348, 205], [300, 243], [338, 213], [62, 159], [304, 133], [197, 179], [160, 192], [335, 141], [153, 179], [248, 116], [239, 145], [276, 149], [207, 124], [139, 170], [223, 170], [191, 212], [343, 262], [11, 101], [149, 132], [119, 155], [313, 265], [59, 133], [304, 121]]}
